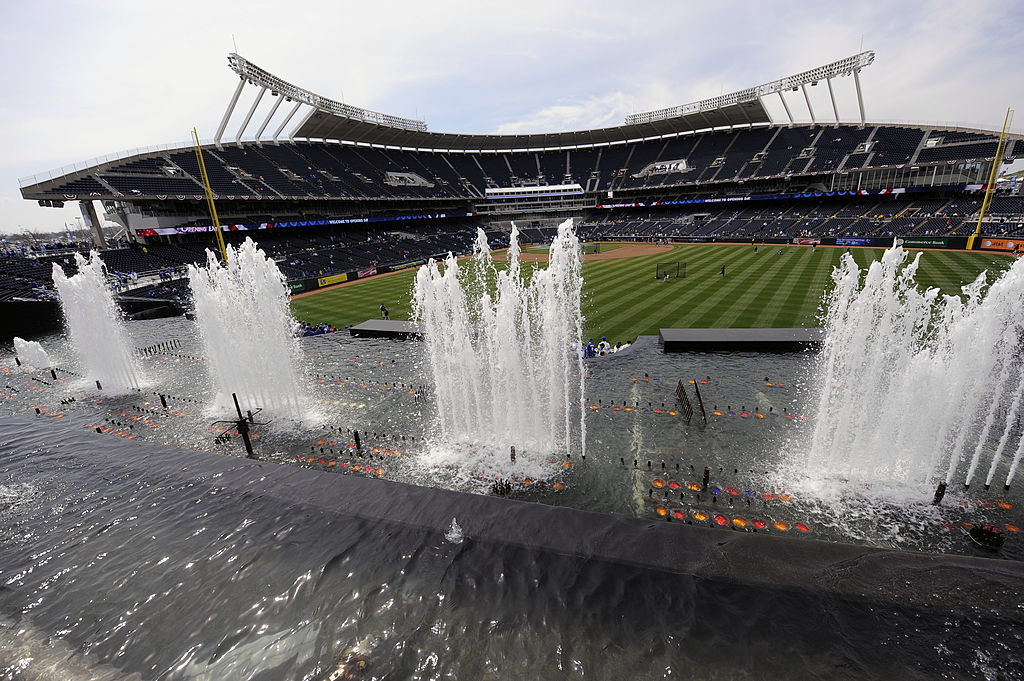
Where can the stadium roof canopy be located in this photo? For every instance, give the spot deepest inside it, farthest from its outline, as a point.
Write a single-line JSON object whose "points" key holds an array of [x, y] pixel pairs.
{"points": [[327, 119]]}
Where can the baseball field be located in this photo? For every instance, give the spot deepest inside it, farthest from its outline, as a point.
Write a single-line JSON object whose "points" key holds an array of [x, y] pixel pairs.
{"points": [[623, 298]]}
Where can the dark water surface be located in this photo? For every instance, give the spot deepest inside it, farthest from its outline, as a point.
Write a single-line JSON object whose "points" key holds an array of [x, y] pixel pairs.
{"points": [[143, 560], [124, 558]]}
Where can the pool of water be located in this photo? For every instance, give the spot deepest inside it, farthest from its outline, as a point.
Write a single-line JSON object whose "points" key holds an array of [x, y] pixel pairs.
{"points": [[130, 560], [150, 549], [642, 456]]}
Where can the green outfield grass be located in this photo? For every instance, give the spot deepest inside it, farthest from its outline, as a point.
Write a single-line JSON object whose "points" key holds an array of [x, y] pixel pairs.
{"points": [[587, 248], [622, 299]]}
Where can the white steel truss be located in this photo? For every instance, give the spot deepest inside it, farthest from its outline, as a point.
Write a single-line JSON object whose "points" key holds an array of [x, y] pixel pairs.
{"points": [[844, 67], [254, 75]]}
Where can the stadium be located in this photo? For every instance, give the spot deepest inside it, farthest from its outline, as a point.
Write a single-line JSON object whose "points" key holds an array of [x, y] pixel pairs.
{"points": [[335, 192], [770, 463]]}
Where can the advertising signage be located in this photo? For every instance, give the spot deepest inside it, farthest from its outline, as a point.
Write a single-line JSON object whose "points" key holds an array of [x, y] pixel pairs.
{"points": [[922, 242], [1001, 244], [246, 227]]}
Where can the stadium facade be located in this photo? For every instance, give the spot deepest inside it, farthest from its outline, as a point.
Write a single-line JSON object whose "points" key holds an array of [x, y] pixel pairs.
{"points": [[335, 192], [341, 162]]}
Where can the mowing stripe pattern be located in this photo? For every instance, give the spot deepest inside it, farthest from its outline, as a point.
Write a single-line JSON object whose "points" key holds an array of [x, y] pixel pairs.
{"points": [[622, 298]]}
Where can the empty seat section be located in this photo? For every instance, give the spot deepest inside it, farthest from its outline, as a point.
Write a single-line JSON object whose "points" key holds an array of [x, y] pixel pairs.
{"points": [[582, 164], [613, 164], [152, 185], [834, 145], [782, 151], [745, 145], [83, 186], [959, 152], [335, 176], [642, 155], [552, 166], [495, 169], [524, 166], [676, 149], [466, 167], [894, 145], [153, 166], [222, 181], [266, 173], [711, 146], [434, 168]]}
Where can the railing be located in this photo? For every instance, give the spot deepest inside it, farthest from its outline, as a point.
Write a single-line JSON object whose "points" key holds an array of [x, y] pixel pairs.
{"points": [[107, 158]]}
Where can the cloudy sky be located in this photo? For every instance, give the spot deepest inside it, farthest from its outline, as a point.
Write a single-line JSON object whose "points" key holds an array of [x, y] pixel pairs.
{"points": [[83, 79]]}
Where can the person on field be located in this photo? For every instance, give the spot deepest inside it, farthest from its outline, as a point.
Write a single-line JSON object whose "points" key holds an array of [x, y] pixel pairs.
{"points": [[384, 312], [723, 270]]}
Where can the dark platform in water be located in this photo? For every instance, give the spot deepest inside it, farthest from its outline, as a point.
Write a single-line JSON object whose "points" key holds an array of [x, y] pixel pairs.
{"points": [[385, 328], [739, 340]]}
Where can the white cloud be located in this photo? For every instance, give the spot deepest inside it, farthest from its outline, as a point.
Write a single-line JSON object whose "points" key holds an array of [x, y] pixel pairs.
{"points": [[594, 112]]}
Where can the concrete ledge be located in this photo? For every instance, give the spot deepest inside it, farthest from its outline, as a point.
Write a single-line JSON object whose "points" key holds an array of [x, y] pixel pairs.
{"points": [[385, 328], [742, 340]]}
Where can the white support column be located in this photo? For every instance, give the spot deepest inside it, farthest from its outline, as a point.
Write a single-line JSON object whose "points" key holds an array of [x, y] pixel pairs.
{"points": [[807, 99], [860, 97], [285, 121], [835, 109], [788, 112], [92, 221], [266, 121], [312, 110], [227, 114], [248, 116]]}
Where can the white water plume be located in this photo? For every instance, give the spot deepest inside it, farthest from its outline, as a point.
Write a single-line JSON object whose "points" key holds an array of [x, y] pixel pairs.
{"points": [[31, 353], [913, 387], [95, 325], [246, 327], [505, 350]]}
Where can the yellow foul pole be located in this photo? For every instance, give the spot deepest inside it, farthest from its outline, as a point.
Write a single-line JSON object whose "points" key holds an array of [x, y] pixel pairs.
{"points": [[990, 187], [209, 199]]}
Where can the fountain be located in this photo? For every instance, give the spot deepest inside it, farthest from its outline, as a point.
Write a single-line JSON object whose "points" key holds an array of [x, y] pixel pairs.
{"points": [[246, 327], [31, 353], [95, 325], [504, 350], [912, 388]]}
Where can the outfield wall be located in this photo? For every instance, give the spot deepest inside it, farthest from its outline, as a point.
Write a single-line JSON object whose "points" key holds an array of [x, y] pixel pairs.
{"points": [[314, 283], [953, 243]]}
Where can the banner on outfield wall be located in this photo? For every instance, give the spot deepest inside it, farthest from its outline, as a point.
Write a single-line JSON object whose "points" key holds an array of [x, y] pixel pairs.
{"points": [[804, 241], [367, 273], [407, 265], [333, 279], [922, 242], [300, 285], [854, 241], [1001, 244]]}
